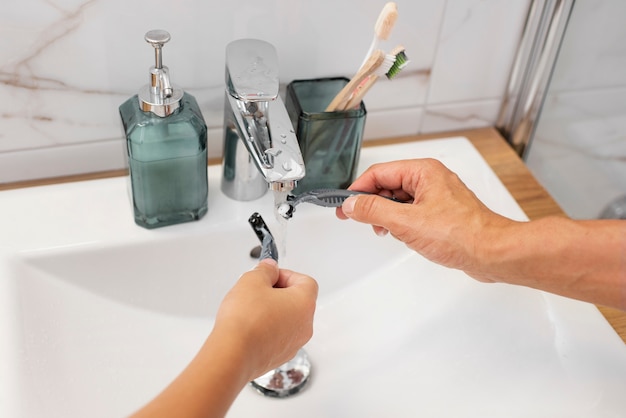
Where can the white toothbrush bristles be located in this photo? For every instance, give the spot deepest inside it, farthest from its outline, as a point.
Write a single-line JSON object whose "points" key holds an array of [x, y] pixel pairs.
{"points": [[390, 59]]}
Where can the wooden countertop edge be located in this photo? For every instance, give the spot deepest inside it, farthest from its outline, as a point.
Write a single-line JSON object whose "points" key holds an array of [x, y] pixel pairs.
{"points": [[529, 194]]}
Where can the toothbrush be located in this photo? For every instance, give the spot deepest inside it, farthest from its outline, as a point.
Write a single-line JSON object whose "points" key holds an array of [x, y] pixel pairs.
{"points": [[382, 29], [399, 60], [380, 71], [328, 198], [384, 24], [268, 245], [394, 62], [373, 62]]}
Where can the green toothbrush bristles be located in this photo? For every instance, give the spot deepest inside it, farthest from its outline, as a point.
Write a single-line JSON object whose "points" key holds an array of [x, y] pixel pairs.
{"points": [[401, 61]]}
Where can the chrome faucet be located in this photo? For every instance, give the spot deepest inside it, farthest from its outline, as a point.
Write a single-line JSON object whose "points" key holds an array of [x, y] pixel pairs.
{"points": [[261, 151]]}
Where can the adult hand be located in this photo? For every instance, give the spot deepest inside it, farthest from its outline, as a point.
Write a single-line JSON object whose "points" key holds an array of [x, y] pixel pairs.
{"points": [[445, 222], [449, 225]]}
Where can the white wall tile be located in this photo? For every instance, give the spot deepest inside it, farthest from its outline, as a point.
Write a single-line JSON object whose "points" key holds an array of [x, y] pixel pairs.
{"points": [[476, 49], [463, 115], [71, 63], [64, 160], [392, 123]]}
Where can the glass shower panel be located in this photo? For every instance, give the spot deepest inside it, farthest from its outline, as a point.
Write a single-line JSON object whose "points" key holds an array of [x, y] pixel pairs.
{"points": [[578, 150]]}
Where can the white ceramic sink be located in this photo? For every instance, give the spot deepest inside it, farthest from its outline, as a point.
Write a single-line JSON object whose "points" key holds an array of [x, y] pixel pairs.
{"points": [[97, 315]]}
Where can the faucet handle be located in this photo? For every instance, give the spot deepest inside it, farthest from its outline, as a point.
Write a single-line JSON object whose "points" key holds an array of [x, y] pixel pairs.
{"points": [[252, 70]]}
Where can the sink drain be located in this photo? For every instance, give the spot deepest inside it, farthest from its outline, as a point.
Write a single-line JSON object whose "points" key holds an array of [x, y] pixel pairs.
{"points": [[286, 380]]}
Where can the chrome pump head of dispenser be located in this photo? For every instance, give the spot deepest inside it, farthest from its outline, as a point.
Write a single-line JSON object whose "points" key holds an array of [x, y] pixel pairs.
{"points": [[159, 97]]}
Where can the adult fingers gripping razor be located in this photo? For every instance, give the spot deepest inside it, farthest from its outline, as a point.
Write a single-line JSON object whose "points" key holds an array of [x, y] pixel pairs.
{"points": [[328, 198]]}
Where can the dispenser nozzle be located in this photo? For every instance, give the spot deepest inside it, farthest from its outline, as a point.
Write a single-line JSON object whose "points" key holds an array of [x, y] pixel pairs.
{"points": [[159, 97]]}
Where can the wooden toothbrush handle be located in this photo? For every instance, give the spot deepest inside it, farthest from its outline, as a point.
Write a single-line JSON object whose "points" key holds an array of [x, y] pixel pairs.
{"points": [[372, 63], [360, 92]]}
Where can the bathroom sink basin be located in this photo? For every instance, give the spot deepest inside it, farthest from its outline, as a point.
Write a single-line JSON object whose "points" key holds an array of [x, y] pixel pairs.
{"points": [[97, 315]]}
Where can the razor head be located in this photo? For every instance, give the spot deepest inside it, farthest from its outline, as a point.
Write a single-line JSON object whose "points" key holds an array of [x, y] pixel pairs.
{"points": [[268, 245], [286, 210]]}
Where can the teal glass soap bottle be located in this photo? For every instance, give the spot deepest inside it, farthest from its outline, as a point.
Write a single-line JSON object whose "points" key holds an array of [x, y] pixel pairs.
{"points": [[166, 140]]}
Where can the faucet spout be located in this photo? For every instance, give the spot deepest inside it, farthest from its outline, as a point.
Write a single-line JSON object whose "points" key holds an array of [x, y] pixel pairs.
{"points": [[261, 150]]}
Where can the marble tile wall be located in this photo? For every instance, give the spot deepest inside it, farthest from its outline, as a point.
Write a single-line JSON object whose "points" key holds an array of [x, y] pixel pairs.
{"points": [[579, 148], [66, 66]]}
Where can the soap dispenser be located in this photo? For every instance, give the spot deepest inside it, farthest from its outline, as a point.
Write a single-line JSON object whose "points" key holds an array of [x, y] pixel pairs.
{"points": [[166, 140]]}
